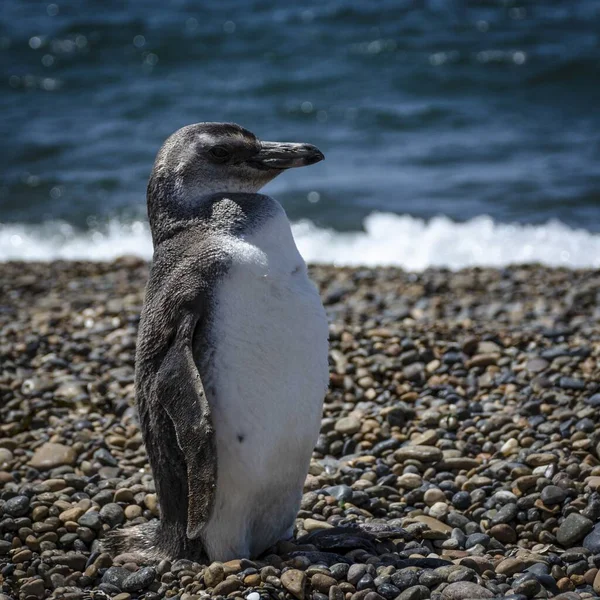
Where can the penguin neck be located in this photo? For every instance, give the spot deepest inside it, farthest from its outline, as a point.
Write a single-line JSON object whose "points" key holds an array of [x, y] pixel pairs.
{"points": [[170, 213]]}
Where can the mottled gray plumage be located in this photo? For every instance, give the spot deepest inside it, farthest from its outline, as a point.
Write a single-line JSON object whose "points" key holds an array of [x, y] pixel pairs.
{"points": [[195, 195]]}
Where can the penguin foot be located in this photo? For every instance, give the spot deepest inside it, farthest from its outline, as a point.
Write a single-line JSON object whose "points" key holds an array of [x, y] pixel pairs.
{"points": [[139, 541], [356, 536], [340, 545]]}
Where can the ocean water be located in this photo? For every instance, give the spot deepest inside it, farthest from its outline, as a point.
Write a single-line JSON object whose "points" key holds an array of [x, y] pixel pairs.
{"points": [[455, 133]]}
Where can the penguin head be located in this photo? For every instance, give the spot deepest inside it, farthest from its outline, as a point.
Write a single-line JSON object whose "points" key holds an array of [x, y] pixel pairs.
{"points": [[208, 158]]}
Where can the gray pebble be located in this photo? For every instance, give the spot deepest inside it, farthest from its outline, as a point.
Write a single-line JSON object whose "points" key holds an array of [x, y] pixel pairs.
{"points": [[418, 592], [17, 506], [339, 492], [574, 528], [591, 541], [112, 514], [91, 520], [356, 572], [506, 514], [465, 590], [115, 576], [477, 538], [552, 494], [139, 580]]}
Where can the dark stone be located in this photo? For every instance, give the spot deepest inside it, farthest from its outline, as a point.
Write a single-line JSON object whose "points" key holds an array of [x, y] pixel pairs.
{"points": [[430, 578], [103, 497], [365, 582], [17, 506], [477, 538], [414, 372], [573, 529], [417, 592], [104, 457], [461, 500], [356, 572], [570, 383], [396, 417], [91, 520], [573, 555], [459, 536], [339, 570], [388, 591], [384, 446], [585, 425], [115, 576], [593, 400], [110, 590], [339, 492], [526, 584], [456, 519], [139, 580], [506, 514], [591, 541], [112, 514], [552, 494], [405, 578], [33, 587], [5, 547]]}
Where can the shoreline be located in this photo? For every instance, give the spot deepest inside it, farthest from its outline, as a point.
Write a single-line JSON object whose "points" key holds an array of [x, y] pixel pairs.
{"points": [[400, 240], [463, 407]]}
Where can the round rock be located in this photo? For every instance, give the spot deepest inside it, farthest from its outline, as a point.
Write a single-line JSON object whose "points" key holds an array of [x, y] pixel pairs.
{"points": [[465, 590], [50, 455], [17, 506], [139, 580], [574, 528]]}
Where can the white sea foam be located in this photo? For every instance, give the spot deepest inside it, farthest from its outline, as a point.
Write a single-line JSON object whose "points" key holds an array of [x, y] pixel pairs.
{"points": [[387, 239]]}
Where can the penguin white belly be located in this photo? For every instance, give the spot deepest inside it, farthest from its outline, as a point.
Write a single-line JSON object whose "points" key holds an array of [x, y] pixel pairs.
{"points": [[265, 381]]}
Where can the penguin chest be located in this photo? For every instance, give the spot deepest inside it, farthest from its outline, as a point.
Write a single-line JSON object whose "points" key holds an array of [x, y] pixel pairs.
{"points": [[267, 376], [269, 368]]}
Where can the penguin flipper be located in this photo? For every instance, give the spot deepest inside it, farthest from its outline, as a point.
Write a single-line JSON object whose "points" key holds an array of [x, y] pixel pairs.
{"points": [[179, 390]]}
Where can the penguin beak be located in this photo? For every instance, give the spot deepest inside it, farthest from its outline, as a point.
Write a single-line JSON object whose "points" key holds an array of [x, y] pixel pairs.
{"points": [[283, 155]]}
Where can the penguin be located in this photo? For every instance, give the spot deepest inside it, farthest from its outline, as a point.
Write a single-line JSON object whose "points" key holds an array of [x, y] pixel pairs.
{"points": [[232, 350]]}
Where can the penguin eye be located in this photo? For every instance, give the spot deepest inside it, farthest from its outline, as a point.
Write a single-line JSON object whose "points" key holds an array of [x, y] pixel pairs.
{"points": [[219, 153]]}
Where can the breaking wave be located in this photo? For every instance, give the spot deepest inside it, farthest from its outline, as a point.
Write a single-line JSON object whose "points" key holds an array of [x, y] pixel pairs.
{"points": [[387, 240]]}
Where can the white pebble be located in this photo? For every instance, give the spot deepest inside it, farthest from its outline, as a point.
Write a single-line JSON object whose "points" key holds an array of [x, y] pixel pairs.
{"points": [[509, 447], [439, 510]]}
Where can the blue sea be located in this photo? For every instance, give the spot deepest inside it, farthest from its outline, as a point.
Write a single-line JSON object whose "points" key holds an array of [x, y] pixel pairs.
{"points": [[456, 133]]}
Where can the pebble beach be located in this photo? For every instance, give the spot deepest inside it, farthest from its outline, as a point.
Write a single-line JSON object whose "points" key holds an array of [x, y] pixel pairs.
{"points": [[463, 408]]}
